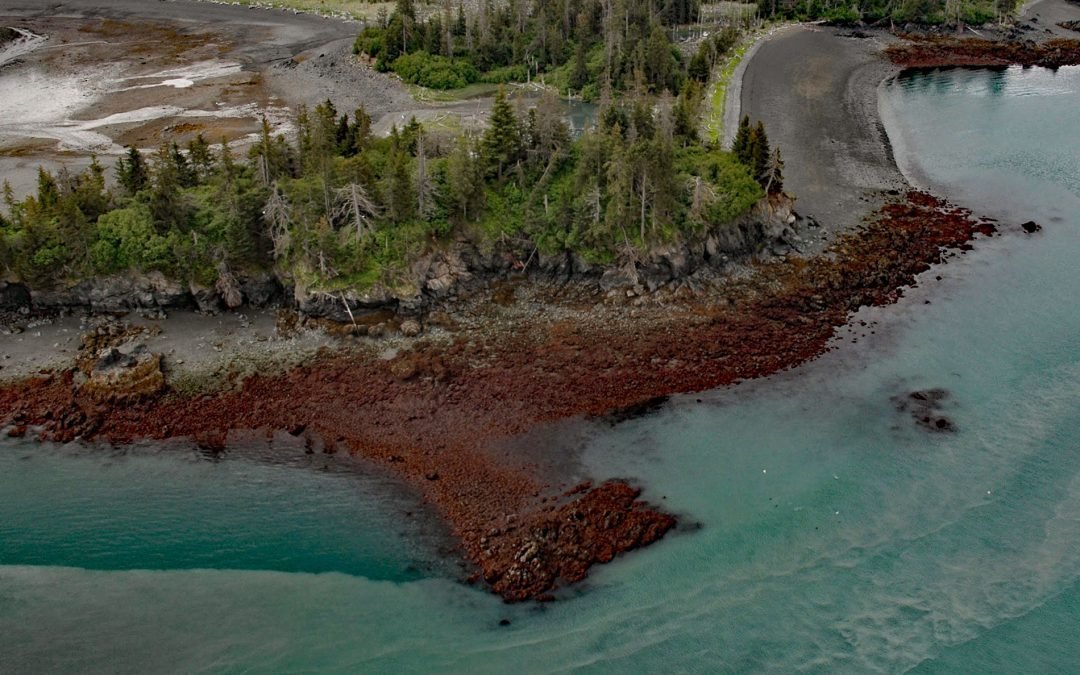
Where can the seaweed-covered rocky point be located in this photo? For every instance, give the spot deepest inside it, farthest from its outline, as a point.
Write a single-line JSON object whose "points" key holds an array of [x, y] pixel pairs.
{"points": [[413, 233]]}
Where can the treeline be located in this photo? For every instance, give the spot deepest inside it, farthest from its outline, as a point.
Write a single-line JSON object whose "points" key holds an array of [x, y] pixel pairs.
{"points": [[192, 214], [341, 208], [930, 12], [581, 45]]}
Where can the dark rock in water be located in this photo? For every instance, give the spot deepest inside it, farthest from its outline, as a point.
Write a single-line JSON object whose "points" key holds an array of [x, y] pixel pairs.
{"points": [[504, 622], [925, 408], [1031, 227], [636, 410], [936, 423], [929, 396]]}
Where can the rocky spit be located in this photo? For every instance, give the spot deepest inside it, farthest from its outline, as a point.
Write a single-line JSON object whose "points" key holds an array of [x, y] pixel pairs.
{"points": [[429, 413], [935, 51]]}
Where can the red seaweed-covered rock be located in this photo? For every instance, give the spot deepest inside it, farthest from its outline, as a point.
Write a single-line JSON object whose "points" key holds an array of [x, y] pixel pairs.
{"points": [[430, 416]]}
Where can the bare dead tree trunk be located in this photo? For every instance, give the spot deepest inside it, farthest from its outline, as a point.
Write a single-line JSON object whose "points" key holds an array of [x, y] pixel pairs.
{"points": [[423, 186], [276, 213], [644, 191], [355, 204]]}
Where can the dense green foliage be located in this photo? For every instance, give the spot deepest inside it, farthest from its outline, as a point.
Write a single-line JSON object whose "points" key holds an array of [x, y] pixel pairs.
{"points": [[583, 45], [341, 208], [436, 72], [950, 12]]}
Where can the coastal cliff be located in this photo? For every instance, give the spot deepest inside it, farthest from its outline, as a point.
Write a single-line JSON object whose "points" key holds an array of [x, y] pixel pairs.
{"points": [[433, 278]]}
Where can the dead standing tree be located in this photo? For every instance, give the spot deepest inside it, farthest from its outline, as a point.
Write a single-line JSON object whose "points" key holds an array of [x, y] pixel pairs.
{"points": [[277, 214], [354, 205]]}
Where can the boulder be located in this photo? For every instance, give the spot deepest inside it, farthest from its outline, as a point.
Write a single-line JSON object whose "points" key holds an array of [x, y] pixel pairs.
{"points": [[14, 296], [1031, 227], [618, 277], [410, 328], [261, 290], [208, 300], [126, 374]]}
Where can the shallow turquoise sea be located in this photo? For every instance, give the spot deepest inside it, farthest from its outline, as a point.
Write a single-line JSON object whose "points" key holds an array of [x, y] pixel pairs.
{"points": [[835, 535]]}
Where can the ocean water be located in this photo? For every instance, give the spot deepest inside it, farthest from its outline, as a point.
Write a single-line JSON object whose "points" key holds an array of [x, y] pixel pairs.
{"points": [[827, 531]]}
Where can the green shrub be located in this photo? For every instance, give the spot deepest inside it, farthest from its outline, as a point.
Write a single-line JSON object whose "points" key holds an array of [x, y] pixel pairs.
{"points": [[505, 75], [126, 239], [435, 72], [842, 16]]}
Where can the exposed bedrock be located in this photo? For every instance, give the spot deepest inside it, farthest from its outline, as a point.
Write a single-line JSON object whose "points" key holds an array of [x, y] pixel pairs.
{"points": [[769, 230]]}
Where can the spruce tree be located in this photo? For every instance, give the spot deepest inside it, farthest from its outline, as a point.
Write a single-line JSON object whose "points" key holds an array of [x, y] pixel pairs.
{"points": [[700, 67], [166, 200], [501, 145], [463, 180], [48, 193], [759, 152], [131, 171], [202, 160], [741, 147], [400, 191], [185, 173], [579, 75], [774, 173]]}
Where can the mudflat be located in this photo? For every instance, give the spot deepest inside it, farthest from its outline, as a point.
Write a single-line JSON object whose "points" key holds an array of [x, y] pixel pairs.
{"points": [[97, 76]]}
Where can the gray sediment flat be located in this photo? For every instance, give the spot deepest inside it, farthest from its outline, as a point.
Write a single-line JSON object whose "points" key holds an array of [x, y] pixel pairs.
{"points": [[817, 93]]}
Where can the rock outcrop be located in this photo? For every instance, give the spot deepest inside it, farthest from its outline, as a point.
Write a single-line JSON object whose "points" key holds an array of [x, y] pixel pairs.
{"points": [[436, 276], [126, 374], [151, 291], [115, 366], [14, 296]]}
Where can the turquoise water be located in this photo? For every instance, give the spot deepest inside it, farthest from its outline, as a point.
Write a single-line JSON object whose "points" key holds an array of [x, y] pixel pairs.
{"points": [[836, 536]]}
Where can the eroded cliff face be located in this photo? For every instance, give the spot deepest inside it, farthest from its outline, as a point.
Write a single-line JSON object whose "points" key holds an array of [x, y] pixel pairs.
{"points": [[432, 279]]}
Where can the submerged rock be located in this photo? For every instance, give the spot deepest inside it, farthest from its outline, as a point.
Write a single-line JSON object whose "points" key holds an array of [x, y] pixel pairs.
{"points": [[925, 409]]}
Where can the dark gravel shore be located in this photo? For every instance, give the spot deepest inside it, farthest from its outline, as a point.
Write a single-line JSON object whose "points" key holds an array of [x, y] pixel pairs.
{"points": [[816, 92]]}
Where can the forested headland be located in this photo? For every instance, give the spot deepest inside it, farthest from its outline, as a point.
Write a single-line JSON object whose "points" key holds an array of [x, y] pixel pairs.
{"points": [[891, 12], [339, 207]]}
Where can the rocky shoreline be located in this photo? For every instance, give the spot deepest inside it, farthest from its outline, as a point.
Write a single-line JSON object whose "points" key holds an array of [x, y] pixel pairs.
{"points": [[430, 414], [921, 51], [430, 411]]}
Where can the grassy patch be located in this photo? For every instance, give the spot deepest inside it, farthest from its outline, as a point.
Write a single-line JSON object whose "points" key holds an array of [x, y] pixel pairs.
{"points": [[714, 118], [477, 90]]}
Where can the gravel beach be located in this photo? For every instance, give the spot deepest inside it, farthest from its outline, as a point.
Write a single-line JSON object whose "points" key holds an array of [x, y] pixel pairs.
{"points": [[816, 92]]}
